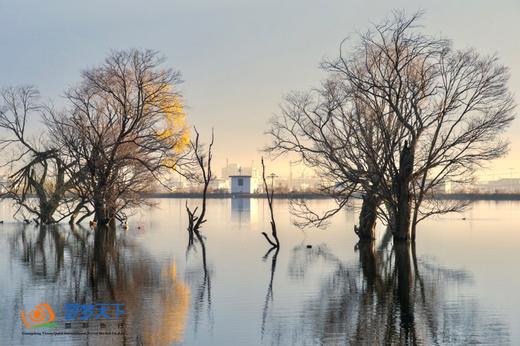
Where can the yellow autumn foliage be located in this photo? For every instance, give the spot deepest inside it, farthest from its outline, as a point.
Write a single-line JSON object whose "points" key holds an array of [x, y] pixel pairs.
{"points": [[175, 130], [175, 121]]}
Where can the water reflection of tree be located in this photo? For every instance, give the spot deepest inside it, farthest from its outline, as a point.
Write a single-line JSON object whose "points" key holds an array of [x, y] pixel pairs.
{"points": [[388, 297], [78, 266], [201, 283], [30, 246], [269, 295]]}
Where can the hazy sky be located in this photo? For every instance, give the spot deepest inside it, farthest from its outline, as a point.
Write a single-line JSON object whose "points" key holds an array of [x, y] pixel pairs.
{"points": [[238, 58]]}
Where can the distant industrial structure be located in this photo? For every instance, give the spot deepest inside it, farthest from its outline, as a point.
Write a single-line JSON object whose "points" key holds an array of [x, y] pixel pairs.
{"points": [[238, 179]]}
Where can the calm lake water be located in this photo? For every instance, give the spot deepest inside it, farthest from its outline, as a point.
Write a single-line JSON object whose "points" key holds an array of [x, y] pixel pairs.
{"points": [[459, 285]]}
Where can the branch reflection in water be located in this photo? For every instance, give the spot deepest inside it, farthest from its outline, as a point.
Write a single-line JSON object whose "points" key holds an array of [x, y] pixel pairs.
{"points": [[377, 293], [389, 297], [202, 294], [269, 294]]}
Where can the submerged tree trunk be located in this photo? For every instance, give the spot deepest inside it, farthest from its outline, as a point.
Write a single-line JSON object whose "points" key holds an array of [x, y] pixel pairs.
{"points": [[403, 207], [269, 195], [367, 218]]}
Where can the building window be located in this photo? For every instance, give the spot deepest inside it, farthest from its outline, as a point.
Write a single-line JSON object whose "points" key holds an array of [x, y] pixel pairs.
{"points": [[240, 182]]}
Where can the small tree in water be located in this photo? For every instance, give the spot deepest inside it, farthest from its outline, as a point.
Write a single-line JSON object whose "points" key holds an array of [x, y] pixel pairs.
{"points": [[269, 193], [199, 171]]}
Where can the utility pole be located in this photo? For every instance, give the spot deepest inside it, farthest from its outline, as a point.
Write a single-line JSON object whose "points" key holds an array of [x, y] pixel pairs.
{"points": [[272, 176]]}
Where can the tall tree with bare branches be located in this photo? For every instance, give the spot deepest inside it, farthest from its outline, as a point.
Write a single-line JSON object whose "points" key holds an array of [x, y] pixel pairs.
{"points": [[125, 125], [436, 114], [340, 139], [452, 105]]}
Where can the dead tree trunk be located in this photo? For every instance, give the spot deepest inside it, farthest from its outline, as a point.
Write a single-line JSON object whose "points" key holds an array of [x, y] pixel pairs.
{"points": [[203, 161], [269, 194]]}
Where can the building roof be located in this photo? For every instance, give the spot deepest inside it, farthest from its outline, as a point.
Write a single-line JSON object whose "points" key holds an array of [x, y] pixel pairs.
{"points": [[240, 176]]}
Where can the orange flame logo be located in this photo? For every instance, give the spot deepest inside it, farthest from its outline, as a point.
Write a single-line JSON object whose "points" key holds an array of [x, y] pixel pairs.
{"points": [[41, 316]]}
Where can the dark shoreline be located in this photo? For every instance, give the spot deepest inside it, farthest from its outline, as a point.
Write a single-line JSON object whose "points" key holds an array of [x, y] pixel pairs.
{"points": [[480, 196], [311, 195]]}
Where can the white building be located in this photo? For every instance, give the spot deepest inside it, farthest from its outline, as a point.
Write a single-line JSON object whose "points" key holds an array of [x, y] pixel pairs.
{"points": [[240, 183]]}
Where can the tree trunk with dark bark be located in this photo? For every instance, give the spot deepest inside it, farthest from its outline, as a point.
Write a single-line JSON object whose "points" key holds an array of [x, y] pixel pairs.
{"points": [[100, 213], [104, 212], [367, 218], [403, 208], [47, 211]]}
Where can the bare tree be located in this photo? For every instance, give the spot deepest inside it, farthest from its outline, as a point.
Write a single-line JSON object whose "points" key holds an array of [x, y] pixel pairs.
{"points": [[451, 105], [37, 167], [125, 126], [202, 174], [339, 138], [199, 170], [401, 115], [269, 193]]}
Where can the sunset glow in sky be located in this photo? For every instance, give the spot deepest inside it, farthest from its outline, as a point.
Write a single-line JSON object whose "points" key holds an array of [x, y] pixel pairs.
{"points": [[238, 58]]}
